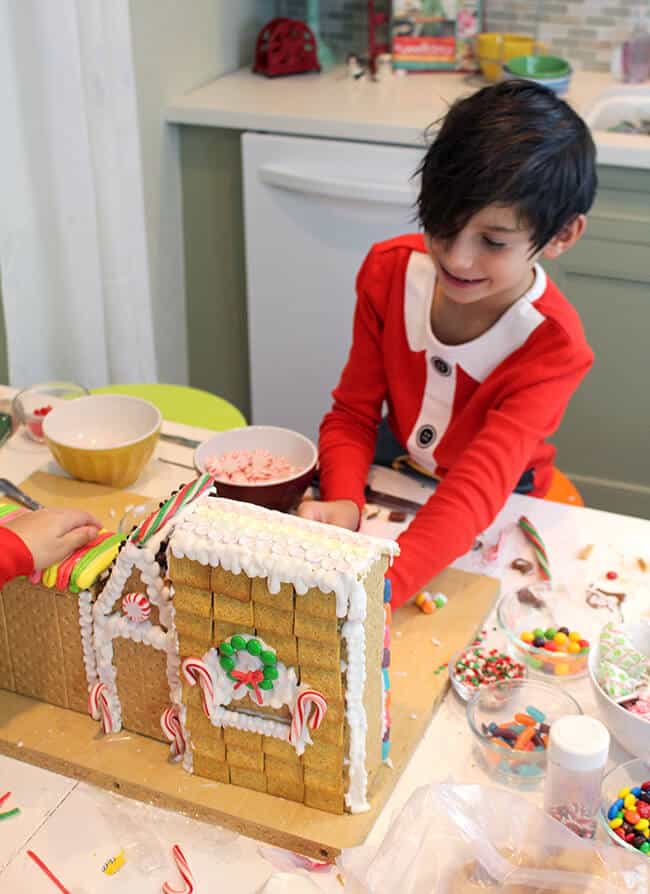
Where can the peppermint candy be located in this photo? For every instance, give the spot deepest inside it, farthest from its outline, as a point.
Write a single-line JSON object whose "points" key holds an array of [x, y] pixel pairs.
{"points": [[136, 607]]}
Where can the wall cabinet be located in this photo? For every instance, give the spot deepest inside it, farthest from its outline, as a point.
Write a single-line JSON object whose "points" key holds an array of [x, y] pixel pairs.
{"points": [[604, 439]]}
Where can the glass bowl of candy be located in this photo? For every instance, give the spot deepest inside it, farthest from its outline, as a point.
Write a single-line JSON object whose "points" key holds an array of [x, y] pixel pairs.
{"points": [[31, 405], [262, 464], [538, 634], [479, 665], [510, 722], [625, 805]]}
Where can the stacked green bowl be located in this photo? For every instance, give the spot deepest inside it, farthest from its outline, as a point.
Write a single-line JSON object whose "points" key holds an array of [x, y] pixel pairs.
{"points": [[549, 71]]}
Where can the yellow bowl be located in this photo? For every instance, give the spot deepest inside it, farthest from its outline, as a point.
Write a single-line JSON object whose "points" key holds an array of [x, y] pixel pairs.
{"points": [[491, 69], [105, 438]]}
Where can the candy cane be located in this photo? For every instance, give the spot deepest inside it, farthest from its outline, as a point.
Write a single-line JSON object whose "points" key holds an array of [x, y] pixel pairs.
{"points": [[136, 607], [172, 728], [98, 707], [303, 716], [185, 873], [533, 536], [197, 671]]}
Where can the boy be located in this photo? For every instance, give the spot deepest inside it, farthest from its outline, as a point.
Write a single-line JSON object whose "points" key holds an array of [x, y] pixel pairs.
{"points": [[460, 331], [39, 539]]}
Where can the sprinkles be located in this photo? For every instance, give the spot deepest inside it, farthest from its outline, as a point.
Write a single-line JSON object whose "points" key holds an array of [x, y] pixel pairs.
{"points": [[477, 667]]}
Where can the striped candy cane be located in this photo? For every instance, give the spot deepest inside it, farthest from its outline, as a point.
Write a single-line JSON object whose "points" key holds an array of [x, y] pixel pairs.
{"points": [[98, 707], [136, 607], [172, 728], [196, 671], [184, 871], [303, 717]]}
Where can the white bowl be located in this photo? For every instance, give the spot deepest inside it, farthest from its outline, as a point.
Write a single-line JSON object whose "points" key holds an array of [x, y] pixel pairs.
{"points": [[280, 493], [629, 730]]}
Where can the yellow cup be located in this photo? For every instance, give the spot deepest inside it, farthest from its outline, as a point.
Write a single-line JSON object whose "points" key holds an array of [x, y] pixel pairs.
{"points": [[495, 48]]}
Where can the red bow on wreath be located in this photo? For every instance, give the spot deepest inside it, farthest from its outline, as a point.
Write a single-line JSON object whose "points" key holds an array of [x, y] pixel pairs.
{"points": [[252, 677]]}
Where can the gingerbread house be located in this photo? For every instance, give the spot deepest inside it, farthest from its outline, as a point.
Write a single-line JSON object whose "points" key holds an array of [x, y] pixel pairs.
{"points": [[255, 642], [279, 680]]}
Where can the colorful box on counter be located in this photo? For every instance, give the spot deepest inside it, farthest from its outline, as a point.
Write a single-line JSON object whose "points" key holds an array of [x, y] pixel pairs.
{"points": [[436, 35]]}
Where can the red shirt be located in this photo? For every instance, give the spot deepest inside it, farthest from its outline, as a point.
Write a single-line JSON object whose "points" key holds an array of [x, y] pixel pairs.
{"points": [[15, 557], [476, 415]]}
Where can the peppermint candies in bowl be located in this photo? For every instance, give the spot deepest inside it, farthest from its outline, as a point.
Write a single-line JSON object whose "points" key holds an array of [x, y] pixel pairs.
{"points": [[261, 464]]}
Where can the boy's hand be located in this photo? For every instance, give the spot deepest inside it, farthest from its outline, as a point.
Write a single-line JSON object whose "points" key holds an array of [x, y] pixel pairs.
{"points": [[344, 513], [52, 534]]}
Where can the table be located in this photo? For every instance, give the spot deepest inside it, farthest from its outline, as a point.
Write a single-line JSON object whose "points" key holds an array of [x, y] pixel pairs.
{"points": [[75, 827]]}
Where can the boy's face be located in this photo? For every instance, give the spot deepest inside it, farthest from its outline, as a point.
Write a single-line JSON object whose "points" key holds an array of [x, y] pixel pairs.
{"points": [[489, 260]]}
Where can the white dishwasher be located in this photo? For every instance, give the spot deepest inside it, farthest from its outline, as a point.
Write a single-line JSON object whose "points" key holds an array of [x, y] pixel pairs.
{"points": [[312, 210]]}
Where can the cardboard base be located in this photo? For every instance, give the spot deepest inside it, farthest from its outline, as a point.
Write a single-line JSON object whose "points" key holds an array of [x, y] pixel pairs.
{"points": [[138, 767]]}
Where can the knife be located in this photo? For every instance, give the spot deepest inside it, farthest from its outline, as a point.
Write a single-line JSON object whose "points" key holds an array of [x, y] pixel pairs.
{"points": [[15, 493], [179, 439]]}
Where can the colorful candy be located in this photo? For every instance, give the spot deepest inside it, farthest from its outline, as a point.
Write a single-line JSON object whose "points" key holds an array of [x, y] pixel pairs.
{"points": [[559, 642], [477, 667], [429, 602], [629, 816], [574, 816], [527, 732]]}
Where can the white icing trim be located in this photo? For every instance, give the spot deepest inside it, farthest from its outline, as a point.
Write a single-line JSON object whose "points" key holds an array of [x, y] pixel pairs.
{"points": [[86, 630], [283, 549], [109, 625], [353, 633]]}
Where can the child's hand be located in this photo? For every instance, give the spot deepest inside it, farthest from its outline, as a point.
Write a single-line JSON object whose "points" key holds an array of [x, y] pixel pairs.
{"points": [[52, 534], [344, 513]]}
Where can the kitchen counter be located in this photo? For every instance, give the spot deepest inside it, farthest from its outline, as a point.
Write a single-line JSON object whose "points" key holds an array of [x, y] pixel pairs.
{"points": [[397, 110]]}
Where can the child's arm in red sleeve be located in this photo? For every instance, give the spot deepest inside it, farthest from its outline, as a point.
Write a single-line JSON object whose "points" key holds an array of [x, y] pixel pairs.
{"points": [[474, 491], [15, 557]]}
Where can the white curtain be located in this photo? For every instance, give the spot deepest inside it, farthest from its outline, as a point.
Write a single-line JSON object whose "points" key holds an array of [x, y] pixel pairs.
{"points": [[73, 258]]}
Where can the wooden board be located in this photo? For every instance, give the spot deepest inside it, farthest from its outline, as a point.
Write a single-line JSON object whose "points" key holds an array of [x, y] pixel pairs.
{"points": [[138, 767], [106, 504]]}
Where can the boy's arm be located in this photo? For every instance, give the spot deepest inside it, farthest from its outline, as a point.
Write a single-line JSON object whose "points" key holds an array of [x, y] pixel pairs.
{"points": [[348, 432], [15, 557], [474, 491]]}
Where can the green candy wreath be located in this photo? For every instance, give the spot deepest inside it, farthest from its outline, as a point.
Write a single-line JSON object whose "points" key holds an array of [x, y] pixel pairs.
{"points": [[263, 678]]}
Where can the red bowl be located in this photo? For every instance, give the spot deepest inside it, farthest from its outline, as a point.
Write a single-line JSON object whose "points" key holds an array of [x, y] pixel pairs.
{"points": [[283, 494]]}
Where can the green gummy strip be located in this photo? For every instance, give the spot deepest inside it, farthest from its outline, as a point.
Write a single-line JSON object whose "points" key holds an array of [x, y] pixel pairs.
{"points": [[10, 813]]}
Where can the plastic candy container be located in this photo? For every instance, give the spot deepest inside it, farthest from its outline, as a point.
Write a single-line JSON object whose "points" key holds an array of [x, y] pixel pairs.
{"points": [[577, 754], [625, 805], [527, 617], [510, 721]]}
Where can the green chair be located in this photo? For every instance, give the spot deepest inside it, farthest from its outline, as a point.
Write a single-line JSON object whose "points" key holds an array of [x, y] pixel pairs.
{"points": [[180, 403]]}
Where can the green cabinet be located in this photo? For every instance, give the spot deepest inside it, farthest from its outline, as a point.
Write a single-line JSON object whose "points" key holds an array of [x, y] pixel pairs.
{"points": [[603, 443]]}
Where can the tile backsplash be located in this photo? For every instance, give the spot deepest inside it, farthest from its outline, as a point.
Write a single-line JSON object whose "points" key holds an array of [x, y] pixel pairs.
{"points": [[583, 31]]}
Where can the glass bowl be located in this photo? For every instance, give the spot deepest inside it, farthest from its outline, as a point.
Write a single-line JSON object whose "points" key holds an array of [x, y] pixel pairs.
{"points": [[462, 689], [540, 610], [498, 704], [628, 775], [31, 405]]}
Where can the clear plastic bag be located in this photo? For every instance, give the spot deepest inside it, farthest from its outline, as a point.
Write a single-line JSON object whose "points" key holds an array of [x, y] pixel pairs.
{"points": [[470, 839]]}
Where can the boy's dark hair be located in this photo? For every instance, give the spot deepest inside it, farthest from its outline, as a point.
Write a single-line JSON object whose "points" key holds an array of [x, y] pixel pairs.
{"points": [[516, 144]]}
